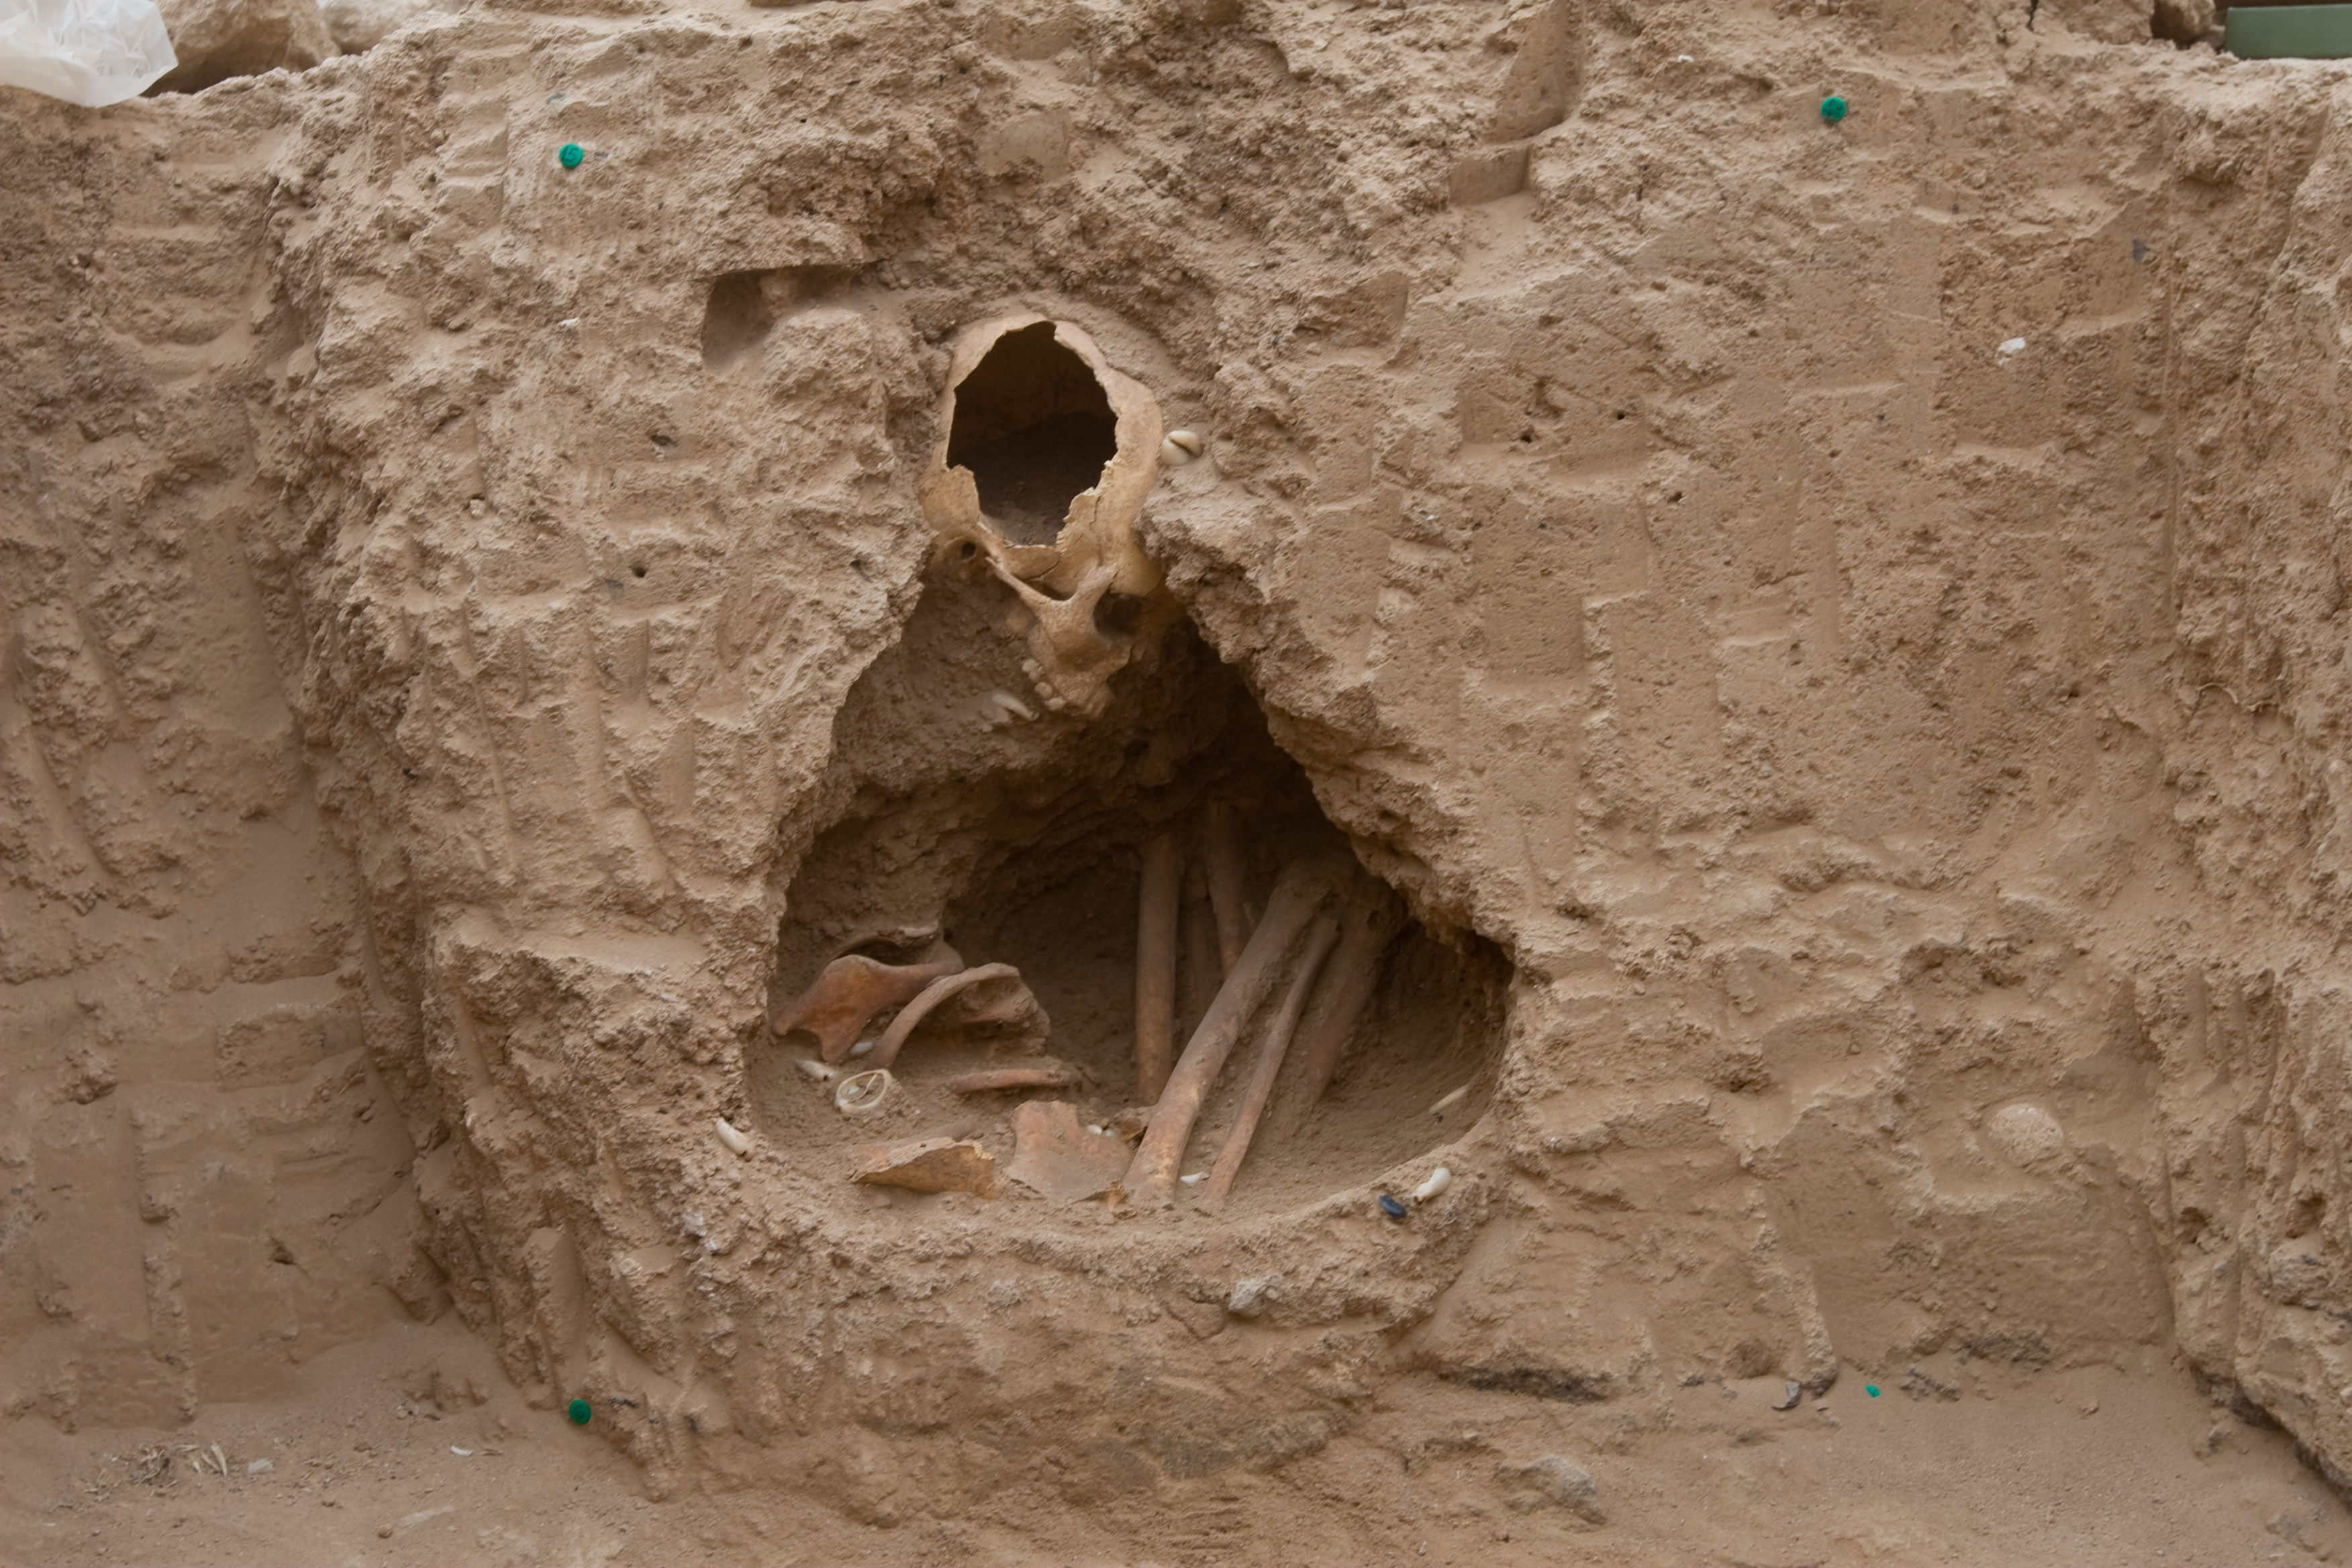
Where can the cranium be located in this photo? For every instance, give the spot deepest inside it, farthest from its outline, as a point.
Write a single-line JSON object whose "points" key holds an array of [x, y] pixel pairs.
{"points": [[1045, 458]]}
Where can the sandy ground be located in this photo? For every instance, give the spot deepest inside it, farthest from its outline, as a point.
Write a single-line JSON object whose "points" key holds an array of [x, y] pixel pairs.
{"points": [[2090, 1465]]}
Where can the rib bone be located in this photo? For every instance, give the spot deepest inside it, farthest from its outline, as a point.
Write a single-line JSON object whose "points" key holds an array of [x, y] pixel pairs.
{"points": [[847, 994], [886, 1049], [1319, 943], [1301, 892]]}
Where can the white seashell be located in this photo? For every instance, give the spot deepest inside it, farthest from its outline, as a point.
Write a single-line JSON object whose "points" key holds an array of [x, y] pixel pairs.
{"points": [[1450, 1101], [1172, 456], [734, 1138], [1439, 1179], [861, 1092], [1195, 1179], [1186, 441], [861, 1048], [2014, 345], [816, 1069], [1013, 705]]}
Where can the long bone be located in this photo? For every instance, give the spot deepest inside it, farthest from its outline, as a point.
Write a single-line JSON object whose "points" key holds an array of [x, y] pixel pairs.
{"points": [[1228, 883], [846, 995], [1155, 965], [1367, 925], [1320, 944], [1302, 890], [1056, 1077], [1202, 973], [886, 1049]]}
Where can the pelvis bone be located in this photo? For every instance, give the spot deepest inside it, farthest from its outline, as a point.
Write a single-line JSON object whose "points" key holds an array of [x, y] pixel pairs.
{"points": [[1032, 407], [848, 995]]}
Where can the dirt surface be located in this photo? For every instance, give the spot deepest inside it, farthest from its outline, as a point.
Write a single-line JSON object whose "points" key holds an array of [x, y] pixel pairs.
{"points": [[1964, 1462], [1817, 643]]}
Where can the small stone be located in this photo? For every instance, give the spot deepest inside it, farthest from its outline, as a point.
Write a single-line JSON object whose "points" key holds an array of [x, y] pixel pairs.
{"points": [[1791, 1395], [383, 1532], [1554, 1482], [1249, 1297]]}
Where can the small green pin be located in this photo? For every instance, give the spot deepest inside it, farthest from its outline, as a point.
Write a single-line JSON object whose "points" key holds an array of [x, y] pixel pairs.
{"points": [[573, 153], [579, 1412], [1833, 109], [1871, 1389]]}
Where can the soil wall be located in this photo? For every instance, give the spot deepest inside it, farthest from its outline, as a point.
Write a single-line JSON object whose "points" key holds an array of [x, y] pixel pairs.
{"points": [[1835, 630]]}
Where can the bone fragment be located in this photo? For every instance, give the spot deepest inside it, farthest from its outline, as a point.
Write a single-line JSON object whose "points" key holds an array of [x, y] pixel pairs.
{"points": [[1447, 1102], [1013, 1078], [1439, 1179], [730, 1135], [1155, 965], [1367, 925], [1302, 891], [1013, 705], [1228, 884], [933, 1165], [847, 996], [1320, 944], [1053, 1154], [886, 1049]]}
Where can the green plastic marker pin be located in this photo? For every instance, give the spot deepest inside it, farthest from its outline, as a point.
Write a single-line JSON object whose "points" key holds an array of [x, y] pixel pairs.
{"points": [[579, 1412], [1871, 1389], [572, 154], [1833, 109]]}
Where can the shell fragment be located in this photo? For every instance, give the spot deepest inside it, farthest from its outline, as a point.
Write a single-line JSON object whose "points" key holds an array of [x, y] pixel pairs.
{"points": [[862, 1092]]}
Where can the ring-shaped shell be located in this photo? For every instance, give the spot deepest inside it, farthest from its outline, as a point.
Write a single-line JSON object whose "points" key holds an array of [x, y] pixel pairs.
{"points": [[862, 1092]]}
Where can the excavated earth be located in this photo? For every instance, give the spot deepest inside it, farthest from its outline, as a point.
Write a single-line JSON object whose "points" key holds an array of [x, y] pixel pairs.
{"points": [[1835, 631]]}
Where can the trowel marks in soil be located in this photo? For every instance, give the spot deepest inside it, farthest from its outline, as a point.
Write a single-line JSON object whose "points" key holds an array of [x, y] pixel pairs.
{"points": [[1792, 661]]}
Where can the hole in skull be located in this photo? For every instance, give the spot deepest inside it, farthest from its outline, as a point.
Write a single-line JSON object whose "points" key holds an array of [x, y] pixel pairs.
{"points": [[1118, 615], [1034, 428], [959, 843]]}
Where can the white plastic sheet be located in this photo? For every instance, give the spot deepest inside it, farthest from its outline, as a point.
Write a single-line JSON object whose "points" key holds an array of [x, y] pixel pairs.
{"points": [[90, 52]]}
